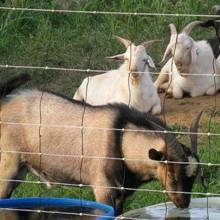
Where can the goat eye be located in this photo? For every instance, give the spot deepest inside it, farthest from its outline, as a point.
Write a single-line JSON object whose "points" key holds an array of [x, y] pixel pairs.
{"points": [[174, 181], [145, 61]]}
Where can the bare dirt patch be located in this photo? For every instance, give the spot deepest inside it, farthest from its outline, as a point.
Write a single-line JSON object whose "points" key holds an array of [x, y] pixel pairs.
{"points": [[181, 111]]}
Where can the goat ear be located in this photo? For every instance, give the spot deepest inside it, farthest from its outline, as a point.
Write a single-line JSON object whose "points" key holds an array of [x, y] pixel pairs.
{"points": [[151, 63], [194, 54], [167, 55], [119, 57], [156, 155]]}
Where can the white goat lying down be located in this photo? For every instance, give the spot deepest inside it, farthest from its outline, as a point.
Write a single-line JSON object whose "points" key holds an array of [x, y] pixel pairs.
{"points": [[186, 59], [130, 84]]}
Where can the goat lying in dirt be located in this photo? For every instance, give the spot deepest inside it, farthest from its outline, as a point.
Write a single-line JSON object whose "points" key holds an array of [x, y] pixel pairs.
{"points": [[130, 84], [191, 65]]}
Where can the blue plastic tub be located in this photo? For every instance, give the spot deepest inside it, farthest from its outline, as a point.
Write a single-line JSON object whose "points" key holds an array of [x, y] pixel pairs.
{"points": [[38, 203]]}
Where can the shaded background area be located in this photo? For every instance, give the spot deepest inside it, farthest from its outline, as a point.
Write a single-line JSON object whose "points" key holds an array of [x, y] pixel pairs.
{"points": [[83, 41]]}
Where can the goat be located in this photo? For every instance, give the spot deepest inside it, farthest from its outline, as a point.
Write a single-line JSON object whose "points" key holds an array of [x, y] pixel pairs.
{"points": [[17, 81], [37, 127], [214, 22], [215, 43], [130, 84], [186, 59]]}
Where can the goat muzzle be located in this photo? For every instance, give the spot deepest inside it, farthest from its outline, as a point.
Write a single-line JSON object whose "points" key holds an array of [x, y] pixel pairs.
{"points": [[181, 201], [134, 75]]}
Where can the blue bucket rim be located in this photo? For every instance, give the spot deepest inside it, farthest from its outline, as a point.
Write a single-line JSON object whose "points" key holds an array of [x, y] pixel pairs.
{"points": [[32, 202]]}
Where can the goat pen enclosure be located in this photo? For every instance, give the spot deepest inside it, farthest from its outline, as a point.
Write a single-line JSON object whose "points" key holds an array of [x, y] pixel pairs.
{"points": [[60, 48]]}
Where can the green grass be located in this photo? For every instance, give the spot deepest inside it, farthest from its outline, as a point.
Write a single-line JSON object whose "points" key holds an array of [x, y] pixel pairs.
{"points": [[83, 41]]}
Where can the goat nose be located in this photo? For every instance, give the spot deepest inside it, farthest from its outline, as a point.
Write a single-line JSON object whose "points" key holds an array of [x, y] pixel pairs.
{"points": [[182, 202], [134, 75], [179, 64], [133, 70]]}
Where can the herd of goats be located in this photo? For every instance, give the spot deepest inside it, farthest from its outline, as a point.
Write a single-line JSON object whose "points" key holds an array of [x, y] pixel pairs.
{"points": [[189, 66], [111, 148]]}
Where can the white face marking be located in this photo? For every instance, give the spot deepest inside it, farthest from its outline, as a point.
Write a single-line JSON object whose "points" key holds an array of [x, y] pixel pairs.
{"points": [[191, 168]]}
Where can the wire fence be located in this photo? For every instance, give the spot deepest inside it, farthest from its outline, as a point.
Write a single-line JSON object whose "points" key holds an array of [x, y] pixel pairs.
{"points": [[89, 71], [82, 130], [108, 12]]}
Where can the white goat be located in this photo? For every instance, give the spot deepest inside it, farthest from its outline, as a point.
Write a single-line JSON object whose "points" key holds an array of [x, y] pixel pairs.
{"points": [[130, 84], [190, 67]]}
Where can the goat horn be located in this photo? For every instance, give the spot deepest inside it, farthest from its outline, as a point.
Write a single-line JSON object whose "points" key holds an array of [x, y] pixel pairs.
{"points": [[193, 130], [167, 55], [168, 52], [172, 29], [149, 43], [124, 41], [188, 28]]}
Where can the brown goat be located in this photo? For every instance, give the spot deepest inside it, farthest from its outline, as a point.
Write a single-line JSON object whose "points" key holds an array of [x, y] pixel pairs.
{"points": [[41, 126]]}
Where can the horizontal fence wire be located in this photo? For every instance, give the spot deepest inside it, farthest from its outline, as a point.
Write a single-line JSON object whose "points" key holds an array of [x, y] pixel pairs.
{"points": [[110, 129], [109, 12], [39, 211], [80, 185], [92, 157], [83, 127], [5, 66]]}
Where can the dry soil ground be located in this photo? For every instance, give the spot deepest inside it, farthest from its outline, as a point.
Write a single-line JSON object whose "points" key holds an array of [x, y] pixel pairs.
{"points": [[181, 111]]}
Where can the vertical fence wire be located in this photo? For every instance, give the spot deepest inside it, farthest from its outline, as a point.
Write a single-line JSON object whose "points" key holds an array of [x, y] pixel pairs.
{"points": [[170, 84], [46, 58], [82, 139], [83, 116], [212, 115], [82, 143], [1, 96], [40, 147]]}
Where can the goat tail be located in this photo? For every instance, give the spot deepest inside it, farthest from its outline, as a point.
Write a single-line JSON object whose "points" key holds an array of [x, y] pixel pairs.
{"points": [[7, 86]]}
